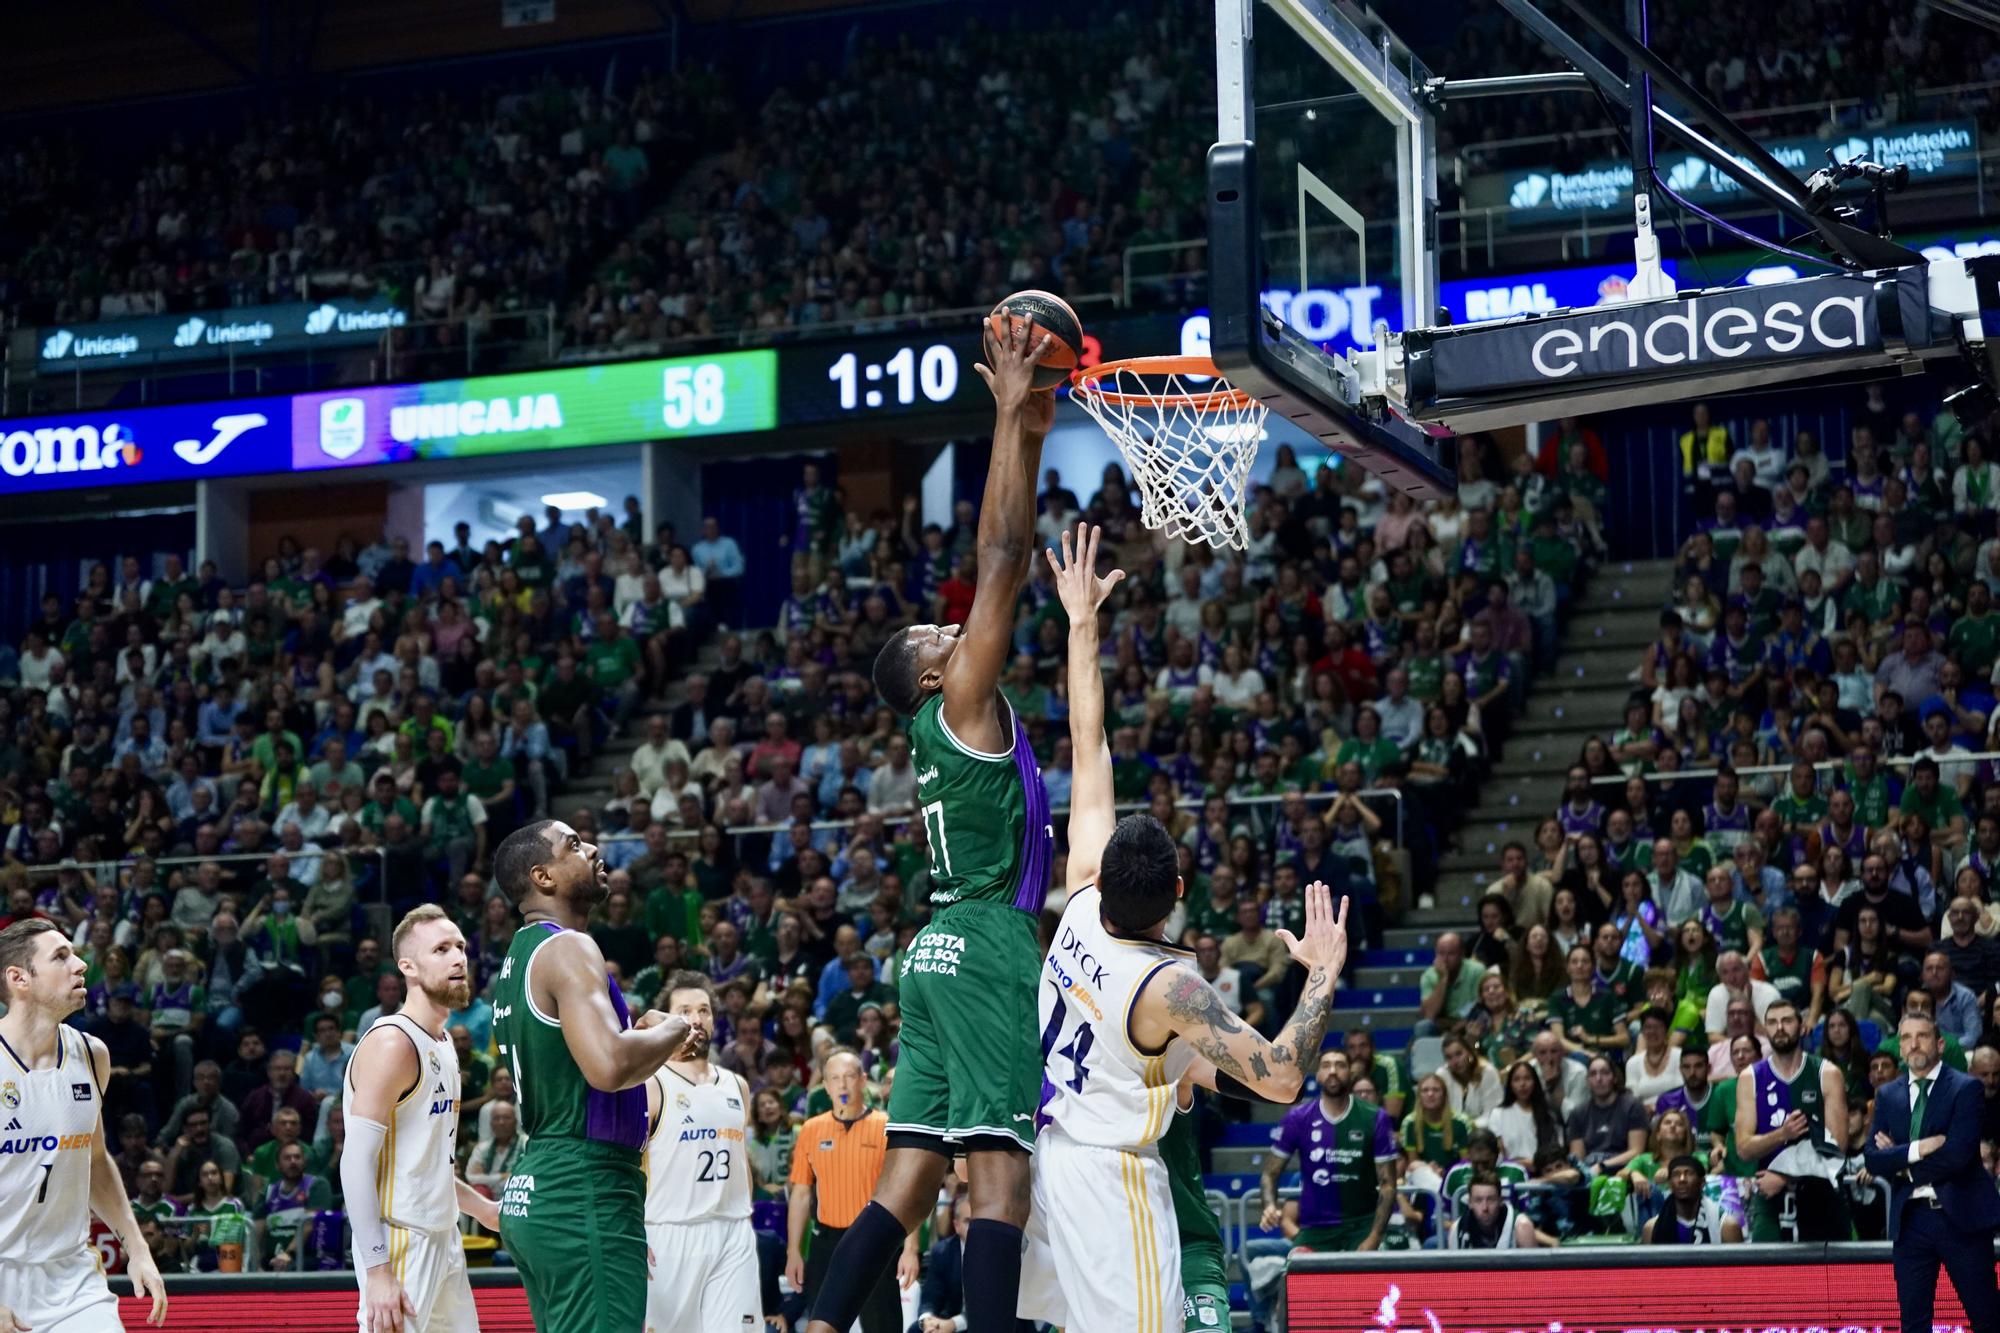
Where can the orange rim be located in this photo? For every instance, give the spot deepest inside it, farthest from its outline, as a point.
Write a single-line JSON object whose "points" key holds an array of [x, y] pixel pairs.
{"points": [[1087, 380]]}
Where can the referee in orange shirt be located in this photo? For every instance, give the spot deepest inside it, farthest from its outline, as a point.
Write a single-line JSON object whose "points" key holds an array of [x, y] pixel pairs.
{"points": [[837, 1158]]}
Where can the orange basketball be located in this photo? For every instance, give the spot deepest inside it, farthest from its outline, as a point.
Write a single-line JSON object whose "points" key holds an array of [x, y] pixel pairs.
{"points": [[1052, 315]]}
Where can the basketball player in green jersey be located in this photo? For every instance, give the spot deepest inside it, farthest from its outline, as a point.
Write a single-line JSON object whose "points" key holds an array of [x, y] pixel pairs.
{"points": [[970, 1074], [573, 1213]]}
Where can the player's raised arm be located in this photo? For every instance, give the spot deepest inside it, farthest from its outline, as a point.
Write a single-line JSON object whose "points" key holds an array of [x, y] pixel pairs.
{"points": [[1191, 1009], [1091, 812], [571, 973], [1022, 416], [110, 1202]]}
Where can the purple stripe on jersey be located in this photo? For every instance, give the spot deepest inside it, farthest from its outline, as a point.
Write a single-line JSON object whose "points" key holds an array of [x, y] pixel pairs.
{"points": [[612, 1117], [1774, 1099], [1037, 834], [617, 1117]]}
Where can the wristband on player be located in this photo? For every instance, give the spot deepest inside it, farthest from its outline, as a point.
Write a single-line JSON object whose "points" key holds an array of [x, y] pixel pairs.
{"points": [[365, 1142], [1228, 1085]]}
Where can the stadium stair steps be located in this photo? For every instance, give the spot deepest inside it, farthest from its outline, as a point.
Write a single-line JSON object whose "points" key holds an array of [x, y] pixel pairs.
{"points": [[1583, 695]]}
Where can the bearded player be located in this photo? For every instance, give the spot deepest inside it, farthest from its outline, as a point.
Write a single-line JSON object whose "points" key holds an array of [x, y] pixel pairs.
{"points": [[970, 1072], [703, 1250], [400, 1092], [57, 1170], [573, 1213], [1125, 1022]]}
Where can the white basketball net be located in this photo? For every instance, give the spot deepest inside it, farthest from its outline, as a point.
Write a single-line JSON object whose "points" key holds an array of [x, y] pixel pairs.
{"points": [[1190, 442]]}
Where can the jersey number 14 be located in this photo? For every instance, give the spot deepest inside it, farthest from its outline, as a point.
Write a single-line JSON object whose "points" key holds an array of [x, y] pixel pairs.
{"points": [[1078, 1049]]}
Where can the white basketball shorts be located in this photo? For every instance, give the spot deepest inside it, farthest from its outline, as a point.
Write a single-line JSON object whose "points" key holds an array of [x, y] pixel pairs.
{"points": [[1103, 1250], [66, 1295], [431, 1267], [704, 1277]]}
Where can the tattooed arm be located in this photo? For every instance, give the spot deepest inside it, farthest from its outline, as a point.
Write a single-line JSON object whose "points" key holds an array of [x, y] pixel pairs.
{"points": [[1274, 1070], [1275, 1162], [1188, 1007], [1385, 1203]]}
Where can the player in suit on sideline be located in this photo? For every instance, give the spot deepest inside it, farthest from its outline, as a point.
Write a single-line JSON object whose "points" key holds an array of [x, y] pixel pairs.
{"points": [[1943, 1209]]}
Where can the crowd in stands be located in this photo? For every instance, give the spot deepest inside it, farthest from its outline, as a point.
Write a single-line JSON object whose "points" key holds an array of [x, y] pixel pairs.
{"points": [[651, 208], [461, 206], [226, 789], [1834, 65], [1824, 676], [1007, 157]]}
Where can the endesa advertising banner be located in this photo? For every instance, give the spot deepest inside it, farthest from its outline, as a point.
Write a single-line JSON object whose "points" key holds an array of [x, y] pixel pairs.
{"points": [[135, 446], [1627, 1289]]}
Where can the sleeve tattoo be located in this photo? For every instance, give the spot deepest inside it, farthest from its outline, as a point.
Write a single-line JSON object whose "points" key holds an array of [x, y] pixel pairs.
{"points": [[1204, 1019]]}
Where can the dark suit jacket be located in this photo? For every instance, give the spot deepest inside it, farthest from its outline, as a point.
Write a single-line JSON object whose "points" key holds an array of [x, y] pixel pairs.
{"points": [[944, 1282], [1965, 1192]]}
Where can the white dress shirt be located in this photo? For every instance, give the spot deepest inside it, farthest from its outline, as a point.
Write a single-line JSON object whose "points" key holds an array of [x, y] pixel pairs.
{"points": [[1928, 1081]]}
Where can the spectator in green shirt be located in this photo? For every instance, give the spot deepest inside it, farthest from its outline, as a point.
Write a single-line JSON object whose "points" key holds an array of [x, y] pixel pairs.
{"points": [[622, 940], [1942, 812], [490, 777], [614, 663], [568, 705], [1368, 747], [843, 1011], [1449, 987], [1584, 1018], [286, 1130]]}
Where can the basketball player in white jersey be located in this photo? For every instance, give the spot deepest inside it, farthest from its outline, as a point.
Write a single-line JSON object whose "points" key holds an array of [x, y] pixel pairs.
{"points": [[705, 1277], [1125, 1015], [400, 1094], [55, 1170]]}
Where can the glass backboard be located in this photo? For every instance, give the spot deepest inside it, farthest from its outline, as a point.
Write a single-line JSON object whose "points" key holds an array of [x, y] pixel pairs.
{"points": [[1323, 218]]}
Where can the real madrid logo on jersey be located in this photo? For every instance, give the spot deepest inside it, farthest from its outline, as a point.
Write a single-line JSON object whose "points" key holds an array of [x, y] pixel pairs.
{"points": [[10, 1096], [435, 1067]]}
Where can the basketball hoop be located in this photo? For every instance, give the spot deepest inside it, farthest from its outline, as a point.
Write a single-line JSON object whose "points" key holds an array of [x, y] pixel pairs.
{"points": [[1189, 437]]}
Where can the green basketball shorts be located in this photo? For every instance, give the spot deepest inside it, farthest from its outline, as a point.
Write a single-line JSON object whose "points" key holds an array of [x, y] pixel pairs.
{"points": [[1204, 1289], [971, 1063], [573, 1217]]}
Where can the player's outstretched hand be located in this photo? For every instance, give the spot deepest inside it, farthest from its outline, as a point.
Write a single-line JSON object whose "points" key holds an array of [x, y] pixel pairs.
{"points": [[10, 1323], [1325, 942], [389, 1307], [1082, 592], [145, 1275], [1012, 349], [652, 1018]]}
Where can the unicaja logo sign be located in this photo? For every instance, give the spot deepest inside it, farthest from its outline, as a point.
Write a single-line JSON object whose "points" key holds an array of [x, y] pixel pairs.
{"points": [[1529, 191], [63, 343], [189, 334]]}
